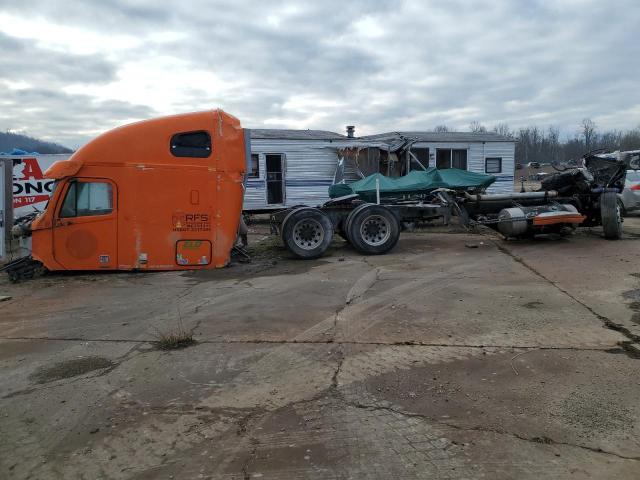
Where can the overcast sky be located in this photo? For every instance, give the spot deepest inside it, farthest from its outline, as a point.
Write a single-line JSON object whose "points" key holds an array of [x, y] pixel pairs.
{"points": [[70, 70]]}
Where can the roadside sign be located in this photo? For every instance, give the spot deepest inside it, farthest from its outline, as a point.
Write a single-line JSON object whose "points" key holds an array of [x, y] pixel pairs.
{"points": [[31, 191]]}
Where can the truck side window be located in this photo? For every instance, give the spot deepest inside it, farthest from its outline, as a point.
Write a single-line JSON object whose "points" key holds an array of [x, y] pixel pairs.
{"points": [[86, 199], [191, 144]]}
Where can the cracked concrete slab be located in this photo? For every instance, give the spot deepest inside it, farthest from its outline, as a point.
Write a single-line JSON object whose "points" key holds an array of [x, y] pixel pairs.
{"points": [[537, 394], [435, 361], [606, 281]]}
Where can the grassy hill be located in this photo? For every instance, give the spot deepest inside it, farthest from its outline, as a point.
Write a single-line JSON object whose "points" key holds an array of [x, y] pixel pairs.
{"points": [[9, 141]]}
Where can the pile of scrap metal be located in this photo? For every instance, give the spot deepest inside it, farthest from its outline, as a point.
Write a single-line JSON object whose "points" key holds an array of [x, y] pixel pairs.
{"points": [[586, 195]]}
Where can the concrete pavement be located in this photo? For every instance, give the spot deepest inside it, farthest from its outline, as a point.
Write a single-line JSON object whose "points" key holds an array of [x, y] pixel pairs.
{"points": [[509, 360]]}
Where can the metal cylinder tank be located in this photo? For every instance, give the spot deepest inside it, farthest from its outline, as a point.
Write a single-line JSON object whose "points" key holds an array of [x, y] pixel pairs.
{"points": [[518, 221], [512, 222]]}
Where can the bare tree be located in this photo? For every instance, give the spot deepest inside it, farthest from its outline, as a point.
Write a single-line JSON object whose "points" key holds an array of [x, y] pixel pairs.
{"points": [[553, 143], [631, 140], [441, 128], [534, 144], [502, 129], [477, 127], [588, 132], [610, 141]]}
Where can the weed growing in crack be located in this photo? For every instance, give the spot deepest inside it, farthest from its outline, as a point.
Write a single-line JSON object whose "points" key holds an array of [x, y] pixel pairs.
{"points": [[175, 338]]}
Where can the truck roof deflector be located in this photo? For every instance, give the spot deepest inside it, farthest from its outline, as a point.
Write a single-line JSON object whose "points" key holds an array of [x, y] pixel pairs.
{"points": [[65, 168]]}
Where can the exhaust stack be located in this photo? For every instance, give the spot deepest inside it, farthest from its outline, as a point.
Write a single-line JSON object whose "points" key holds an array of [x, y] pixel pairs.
{"points": [[351, 129]]}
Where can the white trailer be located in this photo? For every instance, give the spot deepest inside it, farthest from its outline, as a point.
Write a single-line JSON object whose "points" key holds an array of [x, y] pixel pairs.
{"points": [[297, 167]]}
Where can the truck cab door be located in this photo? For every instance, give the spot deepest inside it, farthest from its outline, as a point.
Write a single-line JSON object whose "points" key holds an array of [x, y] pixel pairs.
{"points": [[85, 230]]}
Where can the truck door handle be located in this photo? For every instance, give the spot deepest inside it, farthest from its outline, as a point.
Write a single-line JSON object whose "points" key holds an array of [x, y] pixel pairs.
{"points": [[60, 223]]}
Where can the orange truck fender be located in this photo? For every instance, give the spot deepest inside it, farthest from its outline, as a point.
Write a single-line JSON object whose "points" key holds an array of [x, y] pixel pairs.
{"points": [[161, 194]]}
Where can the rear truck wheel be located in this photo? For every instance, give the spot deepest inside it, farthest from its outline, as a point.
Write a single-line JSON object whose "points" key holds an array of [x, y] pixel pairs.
{"points": [[373, 229], [347, 221], [307, 232], [611, 216]]}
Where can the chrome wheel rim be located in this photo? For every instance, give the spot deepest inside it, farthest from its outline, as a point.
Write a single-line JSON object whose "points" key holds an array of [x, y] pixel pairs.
{"points": [[308, 234], [375, 230]]}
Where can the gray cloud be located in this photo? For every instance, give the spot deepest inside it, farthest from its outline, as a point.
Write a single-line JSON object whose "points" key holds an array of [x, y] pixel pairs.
{"points": [[64, 118], [380, 65], [22, 60]]}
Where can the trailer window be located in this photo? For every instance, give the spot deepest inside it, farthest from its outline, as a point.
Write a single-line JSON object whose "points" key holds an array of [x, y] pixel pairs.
{"points": [[86, 199], [422, 154], [451, 158], [191, 144], [493, 165], [255, 166]]}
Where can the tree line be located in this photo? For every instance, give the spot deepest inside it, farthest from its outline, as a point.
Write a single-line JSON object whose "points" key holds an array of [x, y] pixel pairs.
{"points": [[535, 144], [10, 140]]}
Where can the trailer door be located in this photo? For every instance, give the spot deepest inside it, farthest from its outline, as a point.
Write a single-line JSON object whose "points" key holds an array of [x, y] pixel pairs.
{"points": [[275, 179], [85, 235]]}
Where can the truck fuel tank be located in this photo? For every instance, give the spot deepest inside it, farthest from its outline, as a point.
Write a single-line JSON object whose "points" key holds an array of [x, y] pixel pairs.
{"points": [[524, 221]]}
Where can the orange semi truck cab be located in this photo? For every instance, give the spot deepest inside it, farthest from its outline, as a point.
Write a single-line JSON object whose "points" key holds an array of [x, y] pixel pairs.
{"points": [[161, 194]]}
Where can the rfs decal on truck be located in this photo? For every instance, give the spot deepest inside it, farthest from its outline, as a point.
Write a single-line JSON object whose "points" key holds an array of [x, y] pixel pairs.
{"points": [[191, 222]]}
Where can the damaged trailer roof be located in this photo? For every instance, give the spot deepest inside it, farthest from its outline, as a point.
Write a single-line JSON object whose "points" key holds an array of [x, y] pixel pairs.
{"points": [[465, 137], [388, 137], [283, 134]]}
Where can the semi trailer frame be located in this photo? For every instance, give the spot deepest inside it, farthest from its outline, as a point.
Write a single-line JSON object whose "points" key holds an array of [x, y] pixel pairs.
{"points": [[586, 195]]}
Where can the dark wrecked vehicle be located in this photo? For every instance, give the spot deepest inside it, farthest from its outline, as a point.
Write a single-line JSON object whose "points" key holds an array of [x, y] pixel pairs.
{"points": [[584, 195]]}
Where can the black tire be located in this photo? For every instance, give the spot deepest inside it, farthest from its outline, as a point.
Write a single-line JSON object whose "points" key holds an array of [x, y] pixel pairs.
{"points": [[347, 222], [611, 216], [623, 211], [307, 232], [373, 229]]}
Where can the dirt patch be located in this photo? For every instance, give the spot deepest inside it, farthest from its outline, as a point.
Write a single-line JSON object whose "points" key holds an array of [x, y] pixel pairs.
{"points": [[634, 305], [633, 295], [533, 305], [70, 368]]}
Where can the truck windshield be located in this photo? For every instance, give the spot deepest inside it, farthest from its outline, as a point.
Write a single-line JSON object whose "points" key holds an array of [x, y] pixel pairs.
{"points": [[53, 190]]}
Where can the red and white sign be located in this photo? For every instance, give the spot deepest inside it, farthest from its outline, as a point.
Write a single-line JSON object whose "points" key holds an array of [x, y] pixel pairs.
{"points": [[31, 191]]}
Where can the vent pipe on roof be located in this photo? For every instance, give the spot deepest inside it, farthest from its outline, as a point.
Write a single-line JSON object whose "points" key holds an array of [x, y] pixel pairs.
{"points": [[350, 131]]}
